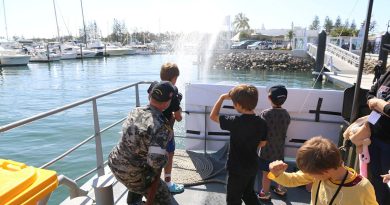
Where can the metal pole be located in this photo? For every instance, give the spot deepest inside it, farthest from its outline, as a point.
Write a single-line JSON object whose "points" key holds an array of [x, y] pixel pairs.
{"points": [[137, 103], [205, 130], [58, 29], [85, 32], [355, 105], [98, 141], [5, 21]]}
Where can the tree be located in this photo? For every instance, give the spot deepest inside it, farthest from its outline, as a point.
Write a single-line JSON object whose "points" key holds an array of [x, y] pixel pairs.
{"points": [[353, 25], [119, 32], [328, 24], [337, 23], [290, 36], [315, 25], [346, 24], [372, 26], [342, 31], [241, 22]]}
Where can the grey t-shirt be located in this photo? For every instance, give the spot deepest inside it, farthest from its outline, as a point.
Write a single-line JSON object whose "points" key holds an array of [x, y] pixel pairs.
{"points": [[277, 120]]}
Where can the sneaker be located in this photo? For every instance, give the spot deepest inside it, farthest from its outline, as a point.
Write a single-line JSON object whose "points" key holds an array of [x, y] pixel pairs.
{"points": [[264, 196], [282, 192], [176, 188]]}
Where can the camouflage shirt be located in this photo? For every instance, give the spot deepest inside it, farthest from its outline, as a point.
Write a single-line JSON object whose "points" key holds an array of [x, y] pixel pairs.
{"points": [[140, 154]]}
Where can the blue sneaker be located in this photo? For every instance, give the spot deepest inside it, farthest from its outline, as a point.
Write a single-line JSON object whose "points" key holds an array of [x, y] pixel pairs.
{"points": [[176, 188]]}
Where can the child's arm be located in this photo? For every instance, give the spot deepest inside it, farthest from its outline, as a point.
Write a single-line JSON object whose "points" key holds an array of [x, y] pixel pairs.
{"points": [[214, 115], [177, 115], [278, 174], [277, 167]]}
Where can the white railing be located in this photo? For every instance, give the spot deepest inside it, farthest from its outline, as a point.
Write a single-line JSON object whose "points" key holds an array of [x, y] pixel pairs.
{"points": [[312, 50], [336, 51], [343, 54]]}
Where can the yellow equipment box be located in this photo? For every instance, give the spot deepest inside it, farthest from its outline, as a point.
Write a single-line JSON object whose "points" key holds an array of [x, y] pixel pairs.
{"points": [[22, 184]]}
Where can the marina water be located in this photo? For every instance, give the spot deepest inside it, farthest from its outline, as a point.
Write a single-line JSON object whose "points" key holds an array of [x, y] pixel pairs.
{"points": [[36, 88]]}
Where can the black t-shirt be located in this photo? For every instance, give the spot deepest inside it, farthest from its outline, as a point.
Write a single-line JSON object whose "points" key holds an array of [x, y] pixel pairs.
{"points": [[246, 132], [381, 90], [175, 104]]}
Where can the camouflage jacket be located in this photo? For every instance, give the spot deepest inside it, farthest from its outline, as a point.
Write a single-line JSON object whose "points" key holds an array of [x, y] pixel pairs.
{"points": [[141, 152]]}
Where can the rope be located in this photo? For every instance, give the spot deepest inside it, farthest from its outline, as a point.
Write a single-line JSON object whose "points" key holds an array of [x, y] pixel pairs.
{"points": [[192, 168]]}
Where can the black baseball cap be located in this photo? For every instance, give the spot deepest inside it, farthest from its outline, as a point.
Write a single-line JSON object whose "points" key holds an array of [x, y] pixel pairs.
{"points": [[162, 91], [278, 94]]}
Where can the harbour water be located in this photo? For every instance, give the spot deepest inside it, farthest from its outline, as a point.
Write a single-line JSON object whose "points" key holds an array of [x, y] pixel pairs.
{"points": [[26, 91]]}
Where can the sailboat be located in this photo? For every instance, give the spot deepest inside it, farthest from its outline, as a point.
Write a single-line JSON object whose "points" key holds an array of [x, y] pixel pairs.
{"points": [[11, 57]]}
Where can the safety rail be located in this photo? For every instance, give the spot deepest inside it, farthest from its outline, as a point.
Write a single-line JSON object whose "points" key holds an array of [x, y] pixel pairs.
{"points": [[349, 57], [345, 55], [97, 135], [71, 184]]}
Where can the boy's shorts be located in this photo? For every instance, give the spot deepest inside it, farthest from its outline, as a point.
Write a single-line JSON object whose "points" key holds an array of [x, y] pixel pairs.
{"points": [[264, 164], [171, 146]]}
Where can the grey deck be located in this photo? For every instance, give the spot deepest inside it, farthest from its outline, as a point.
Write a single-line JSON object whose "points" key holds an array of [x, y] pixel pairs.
{"points": [[209, 193]]}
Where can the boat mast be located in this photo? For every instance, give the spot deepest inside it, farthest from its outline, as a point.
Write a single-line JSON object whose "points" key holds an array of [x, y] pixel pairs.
{"points": [[5, 21], [85, 32], [58, 29], [355, 105]]}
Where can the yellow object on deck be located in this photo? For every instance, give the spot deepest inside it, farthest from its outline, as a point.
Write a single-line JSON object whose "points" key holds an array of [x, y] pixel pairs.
{"points": [[22, 184]]}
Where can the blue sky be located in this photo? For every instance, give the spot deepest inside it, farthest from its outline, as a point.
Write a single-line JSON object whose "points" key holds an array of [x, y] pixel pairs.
{"points": [[35, 18]]}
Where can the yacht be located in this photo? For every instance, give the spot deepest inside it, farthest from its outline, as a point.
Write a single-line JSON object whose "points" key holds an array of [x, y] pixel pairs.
{"points": [[12, 57]]}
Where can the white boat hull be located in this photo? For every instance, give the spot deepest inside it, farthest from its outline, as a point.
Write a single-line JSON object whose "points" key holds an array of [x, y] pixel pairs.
{"points": [[301, 104], [14, 60], [117, 51]]}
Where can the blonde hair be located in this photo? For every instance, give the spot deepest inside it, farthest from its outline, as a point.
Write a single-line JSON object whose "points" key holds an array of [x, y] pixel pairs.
{"points": [[169, 71]]}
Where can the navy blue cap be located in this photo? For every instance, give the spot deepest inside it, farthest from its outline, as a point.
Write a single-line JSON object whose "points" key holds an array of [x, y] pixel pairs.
{"points": [[278, 94], [162, 91]]}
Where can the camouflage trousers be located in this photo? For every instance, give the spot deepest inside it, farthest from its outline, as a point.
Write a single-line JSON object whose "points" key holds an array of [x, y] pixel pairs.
{"points": [[162, 196]]}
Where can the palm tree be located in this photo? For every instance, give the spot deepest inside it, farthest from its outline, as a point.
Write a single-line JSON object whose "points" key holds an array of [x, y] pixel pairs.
{"points": [[241, 22], [290, 36]]}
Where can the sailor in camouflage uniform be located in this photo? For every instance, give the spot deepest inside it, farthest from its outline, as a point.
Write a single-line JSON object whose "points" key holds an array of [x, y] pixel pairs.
{"points": [[141, 152]]}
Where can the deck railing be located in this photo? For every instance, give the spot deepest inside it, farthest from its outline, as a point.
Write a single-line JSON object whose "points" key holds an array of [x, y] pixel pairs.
{"points": [[72, 184], [97, 132]]}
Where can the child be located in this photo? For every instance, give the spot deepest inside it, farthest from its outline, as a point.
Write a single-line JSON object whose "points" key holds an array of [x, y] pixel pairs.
{"points": [[277, 120], [247, 132], [320, 163], [170, 72]]}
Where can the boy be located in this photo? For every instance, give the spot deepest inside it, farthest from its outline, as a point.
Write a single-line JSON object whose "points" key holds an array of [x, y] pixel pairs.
{"points": [[277, 120], [170, 72], [320, 163], [247, 132]]}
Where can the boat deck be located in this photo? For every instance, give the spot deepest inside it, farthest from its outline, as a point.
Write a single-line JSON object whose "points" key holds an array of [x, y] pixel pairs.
{"points": [[198, 193]]}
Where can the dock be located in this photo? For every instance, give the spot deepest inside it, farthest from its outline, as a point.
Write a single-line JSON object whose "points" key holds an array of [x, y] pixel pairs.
{"points": [[348, 80]]}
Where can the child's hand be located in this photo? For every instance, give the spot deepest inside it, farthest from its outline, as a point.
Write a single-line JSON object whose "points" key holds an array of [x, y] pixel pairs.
{"points": [[226, 96], [277, 167], [386, 178]]}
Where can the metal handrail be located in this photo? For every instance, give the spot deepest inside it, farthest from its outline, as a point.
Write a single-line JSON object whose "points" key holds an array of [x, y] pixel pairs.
{"points": [[97, 135], [66, 107], [78, 145]]}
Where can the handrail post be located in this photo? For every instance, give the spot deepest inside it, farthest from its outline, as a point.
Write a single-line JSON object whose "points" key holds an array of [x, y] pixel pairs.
{"points": [[205, 129], [137, 103], [98, 141]]}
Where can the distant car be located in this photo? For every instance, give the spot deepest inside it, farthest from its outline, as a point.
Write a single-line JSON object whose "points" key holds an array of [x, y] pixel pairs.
{"points": [[258, 45], [242, 44]]}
